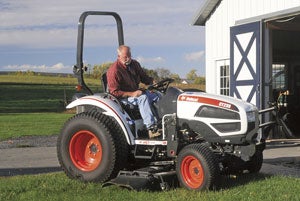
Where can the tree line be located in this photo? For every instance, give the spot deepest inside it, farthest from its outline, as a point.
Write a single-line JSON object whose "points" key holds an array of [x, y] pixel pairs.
{"points": [[157, 74]]}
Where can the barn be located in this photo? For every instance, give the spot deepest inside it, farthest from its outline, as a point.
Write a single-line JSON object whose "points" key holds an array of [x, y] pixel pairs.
{"points": [[253, 52]]}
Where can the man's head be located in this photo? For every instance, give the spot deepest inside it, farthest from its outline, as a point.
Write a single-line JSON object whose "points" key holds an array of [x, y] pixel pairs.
{"points": [[124, 54]]}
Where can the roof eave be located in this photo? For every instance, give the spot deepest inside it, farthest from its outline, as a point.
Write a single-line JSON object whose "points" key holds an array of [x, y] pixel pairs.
{"points": [[205, 12]]}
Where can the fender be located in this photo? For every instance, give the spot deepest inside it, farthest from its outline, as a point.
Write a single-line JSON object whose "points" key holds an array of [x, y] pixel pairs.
{"points": [[111, 109]]}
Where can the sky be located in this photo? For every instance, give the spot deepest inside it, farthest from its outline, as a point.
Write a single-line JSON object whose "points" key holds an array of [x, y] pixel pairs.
{"points": [[41, 36]]}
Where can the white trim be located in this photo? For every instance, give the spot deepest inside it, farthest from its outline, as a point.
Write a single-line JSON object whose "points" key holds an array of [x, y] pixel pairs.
{"points": [[270, 16], [220, 63]]}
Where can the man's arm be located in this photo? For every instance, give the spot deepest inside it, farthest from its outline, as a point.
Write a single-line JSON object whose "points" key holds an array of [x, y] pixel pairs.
{"points": [[113, 81]]}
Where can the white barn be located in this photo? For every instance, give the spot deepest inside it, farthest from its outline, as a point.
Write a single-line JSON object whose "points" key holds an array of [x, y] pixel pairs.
{"points": [[252, 49]]}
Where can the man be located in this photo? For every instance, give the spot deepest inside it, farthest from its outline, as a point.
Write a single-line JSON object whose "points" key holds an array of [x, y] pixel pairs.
{"points": [[123, 79]]}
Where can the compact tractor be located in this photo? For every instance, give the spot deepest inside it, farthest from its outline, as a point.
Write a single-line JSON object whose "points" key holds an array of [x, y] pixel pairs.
{"points": [[203, 136]]}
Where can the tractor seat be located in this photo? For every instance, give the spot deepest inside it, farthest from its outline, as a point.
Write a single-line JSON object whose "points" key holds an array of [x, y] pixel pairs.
{"points": [[131, 109], [104, 82]]}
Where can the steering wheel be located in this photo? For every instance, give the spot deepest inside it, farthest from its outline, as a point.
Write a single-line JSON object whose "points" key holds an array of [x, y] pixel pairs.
{"points": [[162, 85]]}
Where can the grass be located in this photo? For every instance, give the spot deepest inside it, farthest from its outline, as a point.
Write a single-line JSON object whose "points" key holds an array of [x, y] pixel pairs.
{"points": [[41, 79], [23, 98], [35, 104], [39, 96], [21, 124], [56, 186]]}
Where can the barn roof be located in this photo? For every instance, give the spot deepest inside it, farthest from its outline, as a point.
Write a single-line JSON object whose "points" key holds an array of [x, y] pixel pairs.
{"points": [[207, 8]]}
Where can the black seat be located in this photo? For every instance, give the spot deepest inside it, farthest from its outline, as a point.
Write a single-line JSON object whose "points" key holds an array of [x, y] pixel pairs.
{"points": [[104, 82], [132, 110]]}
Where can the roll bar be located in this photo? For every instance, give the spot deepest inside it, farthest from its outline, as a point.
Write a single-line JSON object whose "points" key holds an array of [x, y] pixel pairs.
{"points": [[79, 68]]}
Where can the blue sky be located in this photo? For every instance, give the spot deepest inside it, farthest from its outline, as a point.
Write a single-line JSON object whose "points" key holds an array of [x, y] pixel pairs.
{"points": [[41, 35]]}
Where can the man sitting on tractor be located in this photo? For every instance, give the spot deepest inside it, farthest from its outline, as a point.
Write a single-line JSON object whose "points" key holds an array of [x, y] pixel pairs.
{"points": [[123, 79]]}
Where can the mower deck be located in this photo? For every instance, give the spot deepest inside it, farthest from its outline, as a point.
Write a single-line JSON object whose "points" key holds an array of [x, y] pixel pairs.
{"points": [[153, 178]]}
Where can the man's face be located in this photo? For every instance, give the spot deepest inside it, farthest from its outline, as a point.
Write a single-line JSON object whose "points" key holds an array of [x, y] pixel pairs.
{"points": [[125, 56]]}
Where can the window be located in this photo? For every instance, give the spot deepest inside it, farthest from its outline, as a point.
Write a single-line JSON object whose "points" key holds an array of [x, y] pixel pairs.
{"points": [[224, 80], [278, 76]]}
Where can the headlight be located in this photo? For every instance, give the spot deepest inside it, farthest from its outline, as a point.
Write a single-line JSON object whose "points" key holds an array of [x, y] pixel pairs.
{"points": [[251, 116]]}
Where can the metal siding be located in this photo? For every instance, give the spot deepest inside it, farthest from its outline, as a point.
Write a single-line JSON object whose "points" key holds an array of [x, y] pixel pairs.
{"points": [[217, 44]]}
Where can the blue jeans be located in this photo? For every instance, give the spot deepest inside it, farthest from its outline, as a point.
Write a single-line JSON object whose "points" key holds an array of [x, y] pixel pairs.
{"points": [[145, 104]]}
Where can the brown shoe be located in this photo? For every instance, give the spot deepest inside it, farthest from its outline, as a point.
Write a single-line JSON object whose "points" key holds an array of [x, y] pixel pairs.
{"points": [[153, 134]]}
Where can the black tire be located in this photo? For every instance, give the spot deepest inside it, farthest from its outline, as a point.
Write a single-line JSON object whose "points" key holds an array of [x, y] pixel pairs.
{"points": [[255, 163], [197, 168], [91, 147]]}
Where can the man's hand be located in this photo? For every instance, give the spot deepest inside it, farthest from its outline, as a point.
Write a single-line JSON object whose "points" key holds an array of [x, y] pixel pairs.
{"points": [[136, 93]]}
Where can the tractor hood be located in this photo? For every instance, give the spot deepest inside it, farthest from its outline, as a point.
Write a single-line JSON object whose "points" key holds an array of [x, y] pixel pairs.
{"points": [[224, 115]]}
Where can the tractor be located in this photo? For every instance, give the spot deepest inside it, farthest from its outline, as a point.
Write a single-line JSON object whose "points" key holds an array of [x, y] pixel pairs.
{"points": [[204, 136]]}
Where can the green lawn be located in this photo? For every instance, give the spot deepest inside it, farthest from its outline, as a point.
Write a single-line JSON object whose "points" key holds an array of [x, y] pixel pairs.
{"points": [[56, 186], [23, 98], [16, 125], [41, 79], [37, 93], [35, 104]]}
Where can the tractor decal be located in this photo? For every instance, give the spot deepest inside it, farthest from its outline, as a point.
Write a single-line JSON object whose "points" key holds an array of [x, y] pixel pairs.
{"points": [[209, 101], [151, 142]]}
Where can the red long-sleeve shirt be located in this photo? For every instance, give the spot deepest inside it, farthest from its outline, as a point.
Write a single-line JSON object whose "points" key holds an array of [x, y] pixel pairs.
{"points": [[121, 78]]}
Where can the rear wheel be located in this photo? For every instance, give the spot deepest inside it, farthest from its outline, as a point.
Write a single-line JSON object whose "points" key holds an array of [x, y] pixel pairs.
{"points": [[197, 168], [92, 147]]}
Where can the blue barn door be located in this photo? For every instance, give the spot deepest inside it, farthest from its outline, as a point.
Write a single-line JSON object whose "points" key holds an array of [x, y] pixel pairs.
{"points": [[245, 55]]}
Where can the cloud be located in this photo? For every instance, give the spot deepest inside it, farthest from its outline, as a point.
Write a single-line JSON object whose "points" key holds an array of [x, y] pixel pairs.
{"points": [[45, 32], [194, 56], [44, 24], [150, 60], [56, 68]]}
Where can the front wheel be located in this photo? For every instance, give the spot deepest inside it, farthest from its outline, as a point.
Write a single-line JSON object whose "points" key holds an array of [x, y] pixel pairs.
{"points": [[197, 168], [255, 163], [91, 147]]}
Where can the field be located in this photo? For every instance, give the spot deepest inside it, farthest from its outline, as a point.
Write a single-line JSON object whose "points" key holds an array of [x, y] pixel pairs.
{"points": [[23, 94], [34, 105]]}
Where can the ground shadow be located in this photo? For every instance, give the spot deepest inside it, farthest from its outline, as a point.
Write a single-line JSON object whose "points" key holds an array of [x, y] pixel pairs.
{"points": [[290, 162], [231, 181], [225, 182]]}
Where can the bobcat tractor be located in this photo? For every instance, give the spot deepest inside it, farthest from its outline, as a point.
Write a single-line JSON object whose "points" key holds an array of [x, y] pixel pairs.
{"points": [[203, 136]]}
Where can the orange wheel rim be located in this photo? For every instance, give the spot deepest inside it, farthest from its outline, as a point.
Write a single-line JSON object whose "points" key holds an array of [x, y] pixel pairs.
{"points": [[85, 150], [192, 172]]}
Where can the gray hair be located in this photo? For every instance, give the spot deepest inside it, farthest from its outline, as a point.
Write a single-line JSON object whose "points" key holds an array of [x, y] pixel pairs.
{"points": [[121, 47]]}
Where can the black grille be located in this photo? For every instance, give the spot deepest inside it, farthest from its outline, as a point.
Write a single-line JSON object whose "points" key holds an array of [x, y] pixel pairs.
{"points": [[227, 127], [219, 113], [251, 126]]}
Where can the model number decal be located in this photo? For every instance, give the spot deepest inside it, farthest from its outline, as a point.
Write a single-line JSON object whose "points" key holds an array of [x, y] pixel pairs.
{"points": [[226, 105]]}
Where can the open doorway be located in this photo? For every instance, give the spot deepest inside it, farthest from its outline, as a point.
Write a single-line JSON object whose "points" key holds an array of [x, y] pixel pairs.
{"points": [[285, 68]]}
